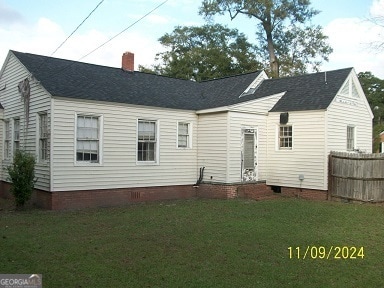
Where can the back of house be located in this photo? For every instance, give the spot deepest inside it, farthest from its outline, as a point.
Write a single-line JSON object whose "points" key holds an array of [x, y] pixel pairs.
{"points": [[107, 136]]}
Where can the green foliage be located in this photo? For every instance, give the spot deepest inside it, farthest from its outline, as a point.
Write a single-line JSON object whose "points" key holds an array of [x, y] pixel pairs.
{"points": [[299, 49], [22, 175], [283, 38], [373, 88], [207, 52], [377, 129]]}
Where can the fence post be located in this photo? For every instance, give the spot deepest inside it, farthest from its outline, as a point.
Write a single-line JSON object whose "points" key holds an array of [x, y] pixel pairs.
{"points": [[330, 179]]}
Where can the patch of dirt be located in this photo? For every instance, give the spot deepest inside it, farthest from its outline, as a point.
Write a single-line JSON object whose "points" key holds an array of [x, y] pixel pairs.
{"points": [[6, 205]]}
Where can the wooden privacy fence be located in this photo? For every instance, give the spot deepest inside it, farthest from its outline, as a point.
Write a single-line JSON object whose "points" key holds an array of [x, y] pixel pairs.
{"points": [[356, 176]]}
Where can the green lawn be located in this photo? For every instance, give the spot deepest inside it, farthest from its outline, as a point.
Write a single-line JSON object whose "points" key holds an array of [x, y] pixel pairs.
{"points": [[197, 243]]}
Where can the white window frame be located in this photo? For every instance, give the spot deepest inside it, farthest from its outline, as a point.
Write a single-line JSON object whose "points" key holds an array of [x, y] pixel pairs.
{"points": [[16, 134], [349, 139], [284, 148], [7, 139], [188, 135], [42, 136], [156, 146], [100, 140]]}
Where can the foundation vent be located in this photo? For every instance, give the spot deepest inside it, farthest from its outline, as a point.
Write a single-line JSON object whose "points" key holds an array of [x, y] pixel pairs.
{"points": [[135, 195]]}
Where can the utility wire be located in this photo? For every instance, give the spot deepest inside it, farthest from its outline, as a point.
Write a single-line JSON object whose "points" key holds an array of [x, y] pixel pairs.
{"points": [[42, 64], [121, 32], [134, 23], [78, 27]]}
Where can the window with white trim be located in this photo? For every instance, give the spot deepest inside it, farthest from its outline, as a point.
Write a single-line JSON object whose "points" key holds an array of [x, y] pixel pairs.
{"points": [[146, 140], [285, 137], [43, 137], [183, 135], [350, 138], [7, 139], [16, 134], [87, 139]]}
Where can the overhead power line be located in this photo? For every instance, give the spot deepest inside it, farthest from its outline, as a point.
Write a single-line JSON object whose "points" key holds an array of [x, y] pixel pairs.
{"points": [[134, 23], [43, 63], [121, 32], [77, 27]]}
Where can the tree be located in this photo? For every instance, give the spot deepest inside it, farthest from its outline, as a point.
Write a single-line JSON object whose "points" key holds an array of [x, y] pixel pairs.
{"points": [[22, 175], [281, 30], [300, 50], [207, 52], [374, 90], [378, 21]]}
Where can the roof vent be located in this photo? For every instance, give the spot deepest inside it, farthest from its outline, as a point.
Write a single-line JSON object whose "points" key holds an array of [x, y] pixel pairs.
{"points": [[284, 118]]}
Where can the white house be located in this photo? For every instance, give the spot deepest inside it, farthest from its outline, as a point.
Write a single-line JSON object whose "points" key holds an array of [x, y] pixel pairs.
{"points": [[106, 136]]}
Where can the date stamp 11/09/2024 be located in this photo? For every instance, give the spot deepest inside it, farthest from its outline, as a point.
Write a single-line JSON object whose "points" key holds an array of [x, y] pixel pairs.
{"points": [[322, 252]]}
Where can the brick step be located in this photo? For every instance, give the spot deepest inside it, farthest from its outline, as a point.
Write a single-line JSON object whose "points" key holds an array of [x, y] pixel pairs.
{"points": [[257, 193]]}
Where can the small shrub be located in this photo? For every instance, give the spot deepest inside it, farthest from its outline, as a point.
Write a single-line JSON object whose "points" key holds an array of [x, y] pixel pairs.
{"points": [[22, 175]]}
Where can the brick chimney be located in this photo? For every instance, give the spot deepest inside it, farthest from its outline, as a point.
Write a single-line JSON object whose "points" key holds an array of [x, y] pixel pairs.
{"points": [[128, 61]]}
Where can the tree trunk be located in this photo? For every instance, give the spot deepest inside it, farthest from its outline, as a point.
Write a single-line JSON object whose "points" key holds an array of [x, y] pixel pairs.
{"points": [[273, 61]]}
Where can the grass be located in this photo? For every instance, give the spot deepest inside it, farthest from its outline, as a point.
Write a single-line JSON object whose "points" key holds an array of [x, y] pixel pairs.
{"points": [[195, 243]]}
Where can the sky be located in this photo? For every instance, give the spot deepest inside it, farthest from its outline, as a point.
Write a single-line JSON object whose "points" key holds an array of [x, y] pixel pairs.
{"points": [[40, 26]]}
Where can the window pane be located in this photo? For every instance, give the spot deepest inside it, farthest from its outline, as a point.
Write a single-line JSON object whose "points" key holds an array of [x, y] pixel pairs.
{"points": [[93, 157], [87, 138], [94, 123], [80, 121], [79, 156], [285, 138], [146, 136], [350, 138], [146, 151], [183, 141], [183, 129], [146, 131]]}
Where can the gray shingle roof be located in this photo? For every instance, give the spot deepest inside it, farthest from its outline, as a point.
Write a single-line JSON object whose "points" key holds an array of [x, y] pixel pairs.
{"points": [[306, 92], [73, 79], [79, 80]]}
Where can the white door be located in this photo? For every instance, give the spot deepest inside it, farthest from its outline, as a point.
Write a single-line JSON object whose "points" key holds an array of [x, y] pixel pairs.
{"points": [[249, 155]]}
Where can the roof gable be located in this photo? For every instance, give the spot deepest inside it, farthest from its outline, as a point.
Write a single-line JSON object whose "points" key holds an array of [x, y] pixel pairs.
{"points": [[307, 92], [351, 93]]}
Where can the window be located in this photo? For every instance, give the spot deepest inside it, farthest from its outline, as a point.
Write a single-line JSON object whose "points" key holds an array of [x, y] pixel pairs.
{"points": [[43, 137], [87, 143], [16, 134], [7, 140], [350, 138], [146, 140], [285, 137], [183, 135]]}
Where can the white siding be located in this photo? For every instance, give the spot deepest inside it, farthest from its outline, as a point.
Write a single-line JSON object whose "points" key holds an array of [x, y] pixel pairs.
{"points": [[249, 114], [10, 98], [213, 148], [1, 138], [259, 106], [345, 111], [307, 156], [119, 168]]}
